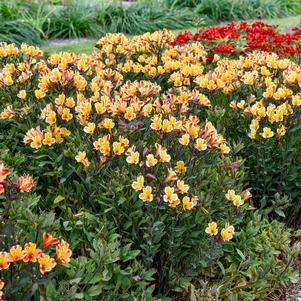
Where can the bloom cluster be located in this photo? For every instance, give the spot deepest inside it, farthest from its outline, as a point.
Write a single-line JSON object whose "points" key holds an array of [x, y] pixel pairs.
{"points": [[226, 233], [97, 95], [240, 38], [30, 253], [265, 89], [140, 104], [24, 184]]}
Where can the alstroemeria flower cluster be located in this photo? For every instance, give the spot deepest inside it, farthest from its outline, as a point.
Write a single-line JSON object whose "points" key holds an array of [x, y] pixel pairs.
{"points": [[139, 104], [263, 87], [226, 233], [31, 253], [24, 184]]}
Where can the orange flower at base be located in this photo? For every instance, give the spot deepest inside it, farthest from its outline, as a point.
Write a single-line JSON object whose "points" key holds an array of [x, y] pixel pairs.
{"points": [[212, 229], [63, 252], [31, 253], [227, 233], [46, 263], [2, 190], [15, 253], [25, 183], [4, 172], [48, 240], [4, 261], [1, 289], [146, 194]]}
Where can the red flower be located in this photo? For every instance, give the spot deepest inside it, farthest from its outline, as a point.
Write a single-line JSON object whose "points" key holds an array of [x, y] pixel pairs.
{"points": [[48, 240]]}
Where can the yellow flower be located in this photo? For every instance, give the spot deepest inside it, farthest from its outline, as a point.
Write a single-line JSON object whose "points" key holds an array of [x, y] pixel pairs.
{"points": [[36, 142], [225, 149], [162, 153], [200, 144], [22, 94], [183, 188], [267, 133], [4, 261], [238, 201], [107, 123], [39, 94], [296, 100], [66, 114], [63, 252], [118, 149], [170, 195], [156, 123], [46, 263], [180, 167], [151, 160], [188, 203], [15, 253], [90, 128], [230, 195], [212, 229], [81, 157], [138, 184], [167, 126], [172, 176], [146, 194], [227, 232], [184, 140], [48, 139], [133, 158], [281, 130]]}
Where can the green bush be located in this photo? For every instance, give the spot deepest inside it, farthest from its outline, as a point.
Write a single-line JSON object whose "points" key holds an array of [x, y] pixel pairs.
{"points": [[144, 16], [254, 264], [74, 21], [18, 32], [226, 10]]}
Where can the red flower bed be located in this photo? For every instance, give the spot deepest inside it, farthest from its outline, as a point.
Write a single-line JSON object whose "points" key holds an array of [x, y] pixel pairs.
{"points": [[238, 38]]}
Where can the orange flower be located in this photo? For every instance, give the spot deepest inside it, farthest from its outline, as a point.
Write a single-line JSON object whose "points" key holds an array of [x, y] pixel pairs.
{"points": [[25, 183], [138, 184], [22, 94], [1, 288], [146, 194], [2, 190], [162, 153], [188, 203], [4, 172], [63, 252], [133, 157], [212, 229], [31, 253], [171, 176], [15, 253], [1, 285], [48, 240], [227, 232], [48, 139], [46, 263], [4, 261]]}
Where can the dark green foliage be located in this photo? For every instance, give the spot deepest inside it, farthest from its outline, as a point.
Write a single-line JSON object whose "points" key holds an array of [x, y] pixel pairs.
{"points": [[18, 32], [143, 17]]}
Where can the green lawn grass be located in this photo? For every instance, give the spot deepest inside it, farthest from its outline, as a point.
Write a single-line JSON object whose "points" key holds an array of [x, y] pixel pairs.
{"points": [[88, 45]]}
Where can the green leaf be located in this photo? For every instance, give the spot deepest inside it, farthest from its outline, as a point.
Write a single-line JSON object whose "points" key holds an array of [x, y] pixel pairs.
{"points": [[95, 290], [221, 267], [58, 199], [240, 253]]}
